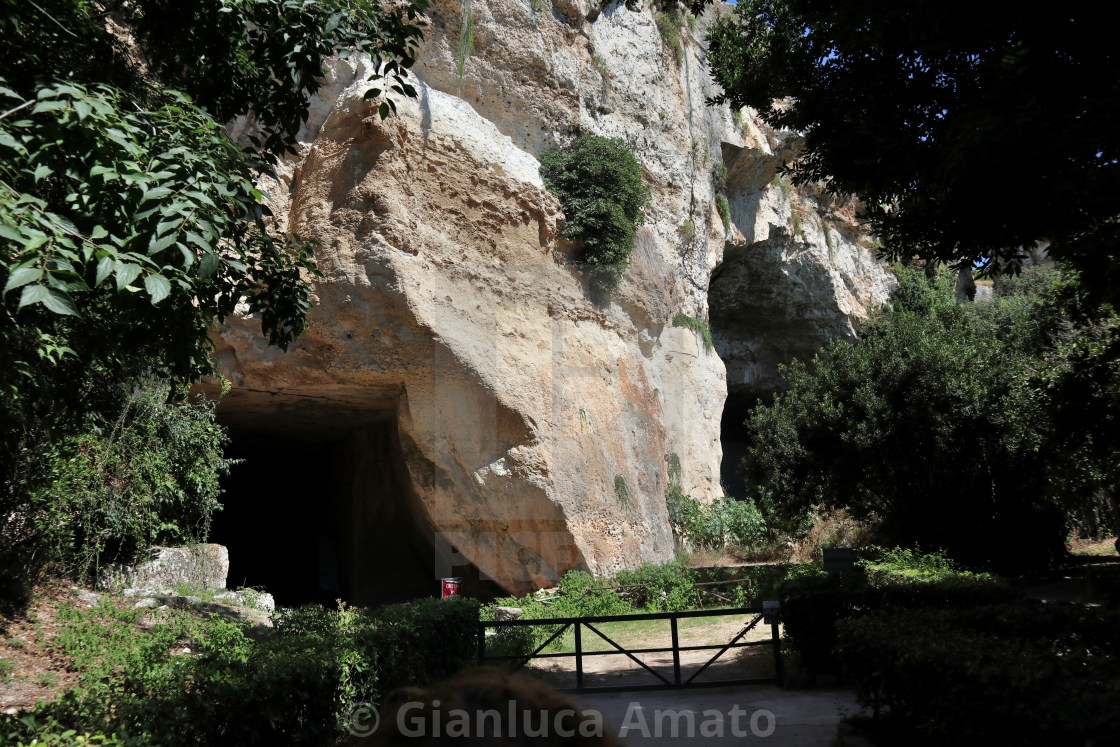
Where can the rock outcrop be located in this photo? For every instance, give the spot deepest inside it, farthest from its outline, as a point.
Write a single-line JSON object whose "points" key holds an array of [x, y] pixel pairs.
{"points": [[168, 568], [534, 419], [799, 269]]}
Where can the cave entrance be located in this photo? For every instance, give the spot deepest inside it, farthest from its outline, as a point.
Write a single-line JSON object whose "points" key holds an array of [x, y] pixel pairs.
{"points": [[321, 508]]}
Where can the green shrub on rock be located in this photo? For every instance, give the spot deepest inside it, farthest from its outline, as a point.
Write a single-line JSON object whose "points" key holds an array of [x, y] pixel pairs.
{"points": [[599, 184]]}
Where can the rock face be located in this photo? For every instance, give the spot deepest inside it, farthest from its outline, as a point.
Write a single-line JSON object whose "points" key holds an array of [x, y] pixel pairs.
{"points": [[533, 420], [196, 566], [798, 271]]}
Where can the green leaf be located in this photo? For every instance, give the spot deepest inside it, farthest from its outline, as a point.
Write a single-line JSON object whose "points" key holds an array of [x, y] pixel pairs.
{"points": [[197, 240], [157, 194], [188, 256], [22, 276], [207, 265], [126, 272], [99, 232], [60, 303], [157, 245], [42, 171], [48, 106], [104, 267], [158, 287], [33, 294]]}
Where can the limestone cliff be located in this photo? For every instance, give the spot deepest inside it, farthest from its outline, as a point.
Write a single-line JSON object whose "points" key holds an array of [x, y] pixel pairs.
{"points": [[534, 420]]}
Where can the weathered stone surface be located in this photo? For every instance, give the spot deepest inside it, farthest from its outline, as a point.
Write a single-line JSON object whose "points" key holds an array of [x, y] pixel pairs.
{"points": [[196, 566], [507, 613], [450, 304], [256, 599], [799, 270]]}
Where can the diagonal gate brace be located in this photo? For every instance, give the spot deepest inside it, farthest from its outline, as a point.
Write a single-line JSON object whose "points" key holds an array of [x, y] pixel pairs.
{"points": [[723, 650]]}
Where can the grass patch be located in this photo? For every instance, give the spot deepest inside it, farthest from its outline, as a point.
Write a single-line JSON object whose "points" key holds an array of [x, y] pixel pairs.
{"points": [[681, 319], [466, 41], [669, 25], [724, 210], [621, 490], [602, 66], [687, 230]]}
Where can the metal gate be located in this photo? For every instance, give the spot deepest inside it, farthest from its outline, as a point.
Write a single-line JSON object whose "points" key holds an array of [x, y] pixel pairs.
{"points": [[584, 625]]}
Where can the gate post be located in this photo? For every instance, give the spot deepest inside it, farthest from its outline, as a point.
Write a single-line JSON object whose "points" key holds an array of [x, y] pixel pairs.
{"points": [[771, 612], [579, 658], [676, 652]]}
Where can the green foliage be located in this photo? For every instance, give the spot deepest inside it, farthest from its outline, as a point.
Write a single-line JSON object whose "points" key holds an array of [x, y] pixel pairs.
{"points": [[725, 522], [67, 738], [813, 600], [687, 230], [147, 477], [724, 211], [300, 682], [599, 184], [621, 491], [601, 66], [466, 41], [795, 224], [536, 5], [667, 587], [673, 468], [1034, 80], [719, 175], [969, 389], [681, 319], [669, 25], [1029, 673], [903, 565], [175, 233]]}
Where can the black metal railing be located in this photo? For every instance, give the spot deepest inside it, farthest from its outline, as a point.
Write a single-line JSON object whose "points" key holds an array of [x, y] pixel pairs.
{"points": [[579, 624]]}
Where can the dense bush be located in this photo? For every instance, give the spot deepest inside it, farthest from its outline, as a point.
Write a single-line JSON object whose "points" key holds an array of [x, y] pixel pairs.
{"points": [[1015, 674], [660, 588], [724, 522], [935, 420], [297, 685], [146, 476], [599, 184]]}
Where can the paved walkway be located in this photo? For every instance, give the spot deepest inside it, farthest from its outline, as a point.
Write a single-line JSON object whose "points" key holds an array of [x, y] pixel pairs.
{"points": [[748, 714]]}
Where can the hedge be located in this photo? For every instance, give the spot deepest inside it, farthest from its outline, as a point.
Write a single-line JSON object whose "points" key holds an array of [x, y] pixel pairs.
{"points": [[1022, 674]]}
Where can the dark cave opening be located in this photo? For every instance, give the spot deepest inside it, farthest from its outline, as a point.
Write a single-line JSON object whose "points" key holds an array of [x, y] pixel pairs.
{"points": [[316, 513]]}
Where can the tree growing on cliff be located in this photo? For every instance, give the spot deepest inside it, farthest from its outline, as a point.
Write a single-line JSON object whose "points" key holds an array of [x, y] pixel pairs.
{"points": [[968, 130], [599, 184]]}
